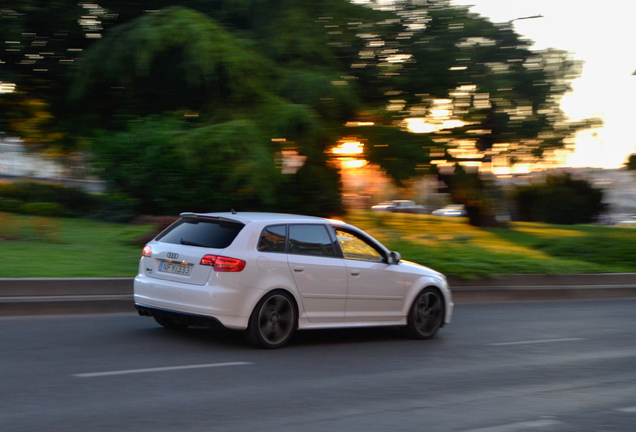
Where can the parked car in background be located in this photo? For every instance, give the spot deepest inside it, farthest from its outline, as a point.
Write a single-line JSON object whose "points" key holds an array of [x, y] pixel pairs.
{"points": [[456, 210], [626, 221], [398, 206], [272, 274]]}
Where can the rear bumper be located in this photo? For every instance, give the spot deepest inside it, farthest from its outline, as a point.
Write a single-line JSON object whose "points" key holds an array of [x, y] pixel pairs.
{"points": [[223, 305], [179, 317]]}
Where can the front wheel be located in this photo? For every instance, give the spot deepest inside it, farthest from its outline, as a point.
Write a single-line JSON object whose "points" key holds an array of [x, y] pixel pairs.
{"points": [[273, 321], [426, 314]]}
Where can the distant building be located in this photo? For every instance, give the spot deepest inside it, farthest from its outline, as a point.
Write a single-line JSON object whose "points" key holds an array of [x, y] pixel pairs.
{"points": [[15, 161]]}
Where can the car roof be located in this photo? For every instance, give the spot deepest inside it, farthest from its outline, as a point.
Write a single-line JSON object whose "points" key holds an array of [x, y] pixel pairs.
{"points": [[247, 217]]}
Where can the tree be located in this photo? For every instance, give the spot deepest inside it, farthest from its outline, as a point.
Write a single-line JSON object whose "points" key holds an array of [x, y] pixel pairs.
{"points": [[482, 198], [631, 162], [504, 96], [41, 40], [182, 60], [291, 72], [168, 165], [173, 59]]}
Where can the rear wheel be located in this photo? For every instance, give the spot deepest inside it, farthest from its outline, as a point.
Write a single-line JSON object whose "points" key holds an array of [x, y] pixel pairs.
{"points": [[273, 321], [426, 315]]}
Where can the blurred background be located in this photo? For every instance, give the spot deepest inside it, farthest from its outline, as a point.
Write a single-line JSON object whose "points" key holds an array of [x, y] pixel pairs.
{"points": [[515, 110]]}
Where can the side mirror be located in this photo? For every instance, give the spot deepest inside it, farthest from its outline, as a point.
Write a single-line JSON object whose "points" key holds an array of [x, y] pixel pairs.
{"points": [[394, 257]]}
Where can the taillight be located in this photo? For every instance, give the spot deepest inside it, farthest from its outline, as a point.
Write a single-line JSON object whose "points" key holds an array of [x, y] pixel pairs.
{"points": [[223, 264], [146, 252]]}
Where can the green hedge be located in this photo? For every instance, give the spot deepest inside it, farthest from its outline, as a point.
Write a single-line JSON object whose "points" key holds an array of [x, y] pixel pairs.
{"points": [[559, 200], [48, 209], [56, 200], [72, 201]]}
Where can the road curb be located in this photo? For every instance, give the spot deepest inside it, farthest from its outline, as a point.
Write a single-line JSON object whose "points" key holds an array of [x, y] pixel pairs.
{"points": [[524, 287], [61, 296], [44, 296]]}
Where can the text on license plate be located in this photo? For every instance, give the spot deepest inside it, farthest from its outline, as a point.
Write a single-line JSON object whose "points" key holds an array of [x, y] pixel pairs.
{"points": [[180, 269]]}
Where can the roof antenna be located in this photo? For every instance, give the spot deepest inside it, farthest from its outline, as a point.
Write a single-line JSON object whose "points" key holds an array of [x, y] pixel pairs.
{"points": [[233, 211]]}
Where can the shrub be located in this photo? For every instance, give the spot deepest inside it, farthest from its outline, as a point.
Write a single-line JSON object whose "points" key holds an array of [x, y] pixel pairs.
{"points": [[44, 229], [117, 208], [16, 228], [71, 201], [223, 166], [49, 209], [9, 205], [11, 227], [160, 223], [560, 200]]}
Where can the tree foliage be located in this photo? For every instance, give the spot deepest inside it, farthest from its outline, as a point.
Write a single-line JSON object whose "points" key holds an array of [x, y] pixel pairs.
{"points": [[168, 165], [172, 59], [506, 95], [402, 155], [209, 93]]}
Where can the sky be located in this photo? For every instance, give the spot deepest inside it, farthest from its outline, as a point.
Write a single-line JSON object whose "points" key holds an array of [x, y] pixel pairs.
{"points": [[603, 35]]}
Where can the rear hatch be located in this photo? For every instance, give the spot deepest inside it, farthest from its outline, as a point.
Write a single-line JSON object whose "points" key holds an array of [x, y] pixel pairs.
{"points": [[176, 253]]}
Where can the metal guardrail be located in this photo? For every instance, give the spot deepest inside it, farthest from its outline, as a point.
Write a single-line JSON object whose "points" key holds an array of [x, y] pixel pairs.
{"points": [[40, 296]]}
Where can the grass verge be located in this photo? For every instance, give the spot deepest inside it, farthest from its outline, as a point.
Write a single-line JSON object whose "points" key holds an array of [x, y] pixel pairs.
{"points": [[40, 247], [455, 248], [70, 248]]}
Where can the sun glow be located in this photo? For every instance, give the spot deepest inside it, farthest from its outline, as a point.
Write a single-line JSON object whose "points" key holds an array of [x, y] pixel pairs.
{"points": [[422, 125], [348, 148], [353, 163]]}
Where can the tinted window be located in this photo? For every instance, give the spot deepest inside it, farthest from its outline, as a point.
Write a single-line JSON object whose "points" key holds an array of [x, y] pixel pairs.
{"points": [[201, 232], [310, 240], [272, 239]]}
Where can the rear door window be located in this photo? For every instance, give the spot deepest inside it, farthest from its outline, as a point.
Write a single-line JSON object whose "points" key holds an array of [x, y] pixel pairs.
{"points": [[215, 234], [311, 240]]}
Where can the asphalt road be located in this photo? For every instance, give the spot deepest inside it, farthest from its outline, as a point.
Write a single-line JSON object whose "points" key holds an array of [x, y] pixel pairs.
{"points": [[532, 366]]}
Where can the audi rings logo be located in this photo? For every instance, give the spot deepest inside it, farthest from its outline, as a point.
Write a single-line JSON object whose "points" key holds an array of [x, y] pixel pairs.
{"points": [[173, 255]]}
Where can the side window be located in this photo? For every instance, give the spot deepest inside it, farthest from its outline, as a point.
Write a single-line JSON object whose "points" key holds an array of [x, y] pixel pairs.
{"points": [[310, 240], [355, 248], [272, 239]]}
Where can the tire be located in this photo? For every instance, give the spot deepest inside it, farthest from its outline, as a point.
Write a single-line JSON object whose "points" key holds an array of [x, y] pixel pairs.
{"points": [[426, 315], [273, 321], [169, 323]]}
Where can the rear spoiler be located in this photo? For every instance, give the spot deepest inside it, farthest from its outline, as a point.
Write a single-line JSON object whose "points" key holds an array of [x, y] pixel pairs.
{"points": [[191, 215]]}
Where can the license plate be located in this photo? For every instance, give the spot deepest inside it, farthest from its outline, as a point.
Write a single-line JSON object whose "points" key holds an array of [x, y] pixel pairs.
{"points": [[180, 269]]}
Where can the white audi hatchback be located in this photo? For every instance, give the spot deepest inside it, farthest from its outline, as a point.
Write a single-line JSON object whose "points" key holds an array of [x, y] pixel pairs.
{"points": [[272, 274]]}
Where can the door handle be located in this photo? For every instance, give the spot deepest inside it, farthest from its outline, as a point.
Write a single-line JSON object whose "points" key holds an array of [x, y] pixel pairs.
{"points": [[355, 272], [299, 269]]}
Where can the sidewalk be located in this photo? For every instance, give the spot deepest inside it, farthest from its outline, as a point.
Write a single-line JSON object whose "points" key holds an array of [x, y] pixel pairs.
{"points": [[40, 296]]}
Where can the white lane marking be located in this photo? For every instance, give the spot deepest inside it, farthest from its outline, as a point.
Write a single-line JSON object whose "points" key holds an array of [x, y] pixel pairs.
{"points": [[627, 409], [521, 426], [540, 341], [159, 369]]}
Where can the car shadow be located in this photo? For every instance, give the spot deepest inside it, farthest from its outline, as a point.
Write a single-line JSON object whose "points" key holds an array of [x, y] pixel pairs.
{"points": [[234, 339]]}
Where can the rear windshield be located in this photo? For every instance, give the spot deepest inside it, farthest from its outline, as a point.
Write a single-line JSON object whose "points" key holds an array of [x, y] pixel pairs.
{"points": [[201, 232]]}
